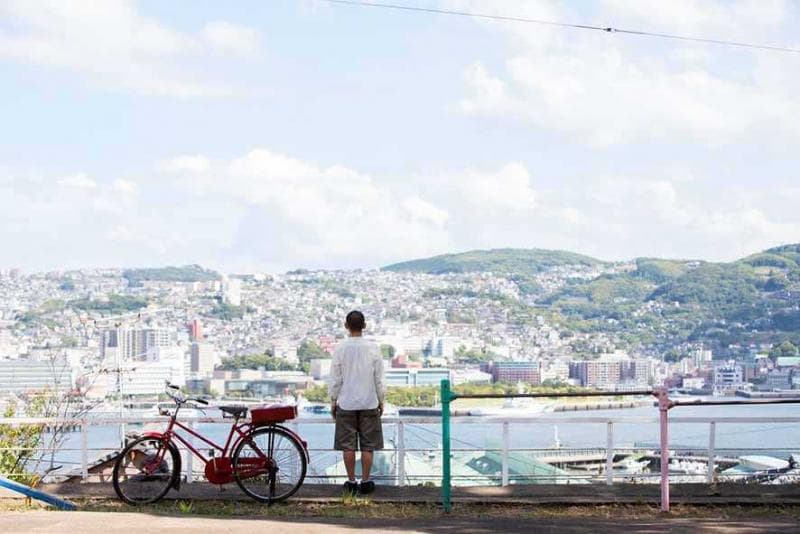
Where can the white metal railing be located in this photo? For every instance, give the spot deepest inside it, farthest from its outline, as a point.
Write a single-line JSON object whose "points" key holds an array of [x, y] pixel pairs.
{"points": [[400, 477]]}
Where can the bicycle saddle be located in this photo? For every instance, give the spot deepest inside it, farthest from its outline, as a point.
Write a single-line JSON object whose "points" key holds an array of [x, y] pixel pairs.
{"points": [[234, 411]]}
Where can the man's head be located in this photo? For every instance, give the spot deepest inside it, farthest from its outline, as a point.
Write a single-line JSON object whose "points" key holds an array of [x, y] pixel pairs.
{"points": [[355, 322]]}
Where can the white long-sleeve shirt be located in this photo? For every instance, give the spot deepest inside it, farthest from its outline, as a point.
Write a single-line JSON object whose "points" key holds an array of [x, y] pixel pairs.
{"points": [[357, 377]]}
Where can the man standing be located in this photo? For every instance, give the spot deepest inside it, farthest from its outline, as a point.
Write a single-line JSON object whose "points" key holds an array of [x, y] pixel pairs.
{"points": [[357, 390]]}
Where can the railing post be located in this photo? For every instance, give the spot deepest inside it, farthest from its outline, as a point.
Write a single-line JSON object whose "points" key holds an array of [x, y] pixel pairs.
{"points": [[610, 453], [84, 451], [712, 433], [445, 395], [505, 454], [663, 409], [401, 454]]}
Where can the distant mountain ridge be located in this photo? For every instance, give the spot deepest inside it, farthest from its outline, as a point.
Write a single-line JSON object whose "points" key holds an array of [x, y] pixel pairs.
{"points": [[536, 260], [185, 273], [500, 260], [752, 299]]}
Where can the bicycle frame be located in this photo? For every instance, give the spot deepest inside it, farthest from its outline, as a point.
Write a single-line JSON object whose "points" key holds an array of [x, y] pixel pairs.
{"points": [[218, 468], [240, 431]]}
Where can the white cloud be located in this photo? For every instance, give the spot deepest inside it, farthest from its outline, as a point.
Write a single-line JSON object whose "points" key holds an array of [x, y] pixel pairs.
{"points": [[266, 210], [78, 181], [232, 38], [506, 190], [607, 89], [314, 215], [113, 45], [125, 186], [424, 211], [193, 163]]}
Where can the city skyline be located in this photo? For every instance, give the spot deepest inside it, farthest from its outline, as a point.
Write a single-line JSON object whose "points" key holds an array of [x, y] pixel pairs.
{"points": [[266, 137]]}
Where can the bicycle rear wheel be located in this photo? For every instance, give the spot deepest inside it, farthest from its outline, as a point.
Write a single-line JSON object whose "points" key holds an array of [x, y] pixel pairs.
{"points": [[270, 464], [145, 471]]}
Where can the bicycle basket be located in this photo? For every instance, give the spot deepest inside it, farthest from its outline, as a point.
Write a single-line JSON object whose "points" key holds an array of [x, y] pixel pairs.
{"points": [[276, 413]]}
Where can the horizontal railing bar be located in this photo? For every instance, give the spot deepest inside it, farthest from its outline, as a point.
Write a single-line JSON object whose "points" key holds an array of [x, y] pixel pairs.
{"points": [[455, 395], [735, 402], [472, 419], [734, 420], [554, 452]]}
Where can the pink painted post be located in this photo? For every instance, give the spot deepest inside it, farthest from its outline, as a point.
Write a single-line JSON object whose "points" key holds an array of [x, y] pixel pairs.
{"points": [[664, 405]]}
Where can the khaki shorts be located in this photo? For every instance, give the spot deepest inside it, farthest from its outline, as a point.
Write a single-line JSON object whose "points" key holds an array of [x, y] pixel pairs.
{"points": [[358, 430]]}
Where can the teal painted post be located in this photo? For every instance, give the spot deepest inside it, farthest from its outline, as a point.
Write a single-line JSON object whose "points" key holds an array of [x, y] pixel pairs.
{"points": [[445, 395]]}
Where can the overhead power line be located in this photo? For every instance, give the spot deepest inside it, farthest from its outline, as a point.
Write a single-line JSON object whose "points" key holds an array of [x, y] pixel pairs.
{"points": [[607, 29]]}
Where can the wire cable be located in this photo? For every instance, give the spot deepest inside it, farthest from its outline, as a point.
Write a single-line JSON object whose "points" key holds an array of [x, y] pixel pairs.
{"points": [[607, 29]]}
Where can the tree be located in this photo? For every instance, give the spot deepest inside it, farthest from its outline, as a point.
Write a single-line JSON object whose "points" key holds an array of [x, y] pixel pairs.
{"points": [[115, 305], [18, 448], [317, 393], [787, 348], [266, 361], [387, 351], [473, 355], [228, 312], [20, 452], [309, 350]]}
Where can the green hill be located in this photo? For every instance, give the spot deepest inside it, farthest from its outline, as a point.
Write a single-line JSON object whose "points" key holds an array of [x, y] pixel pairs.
{"points": [[186, 273], [659, 270], [751, 300], [506, 260]]}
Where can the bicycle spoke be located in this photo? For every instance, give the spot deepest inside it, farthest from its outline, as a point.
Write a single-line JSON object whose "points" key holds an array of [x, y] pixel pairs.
{"points": [[283, 470]]}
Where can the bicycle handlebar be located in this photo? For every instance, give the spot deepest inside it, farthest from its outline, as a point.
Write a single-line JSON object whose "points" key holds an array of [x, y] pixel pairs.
{"points": [[180, 398]]}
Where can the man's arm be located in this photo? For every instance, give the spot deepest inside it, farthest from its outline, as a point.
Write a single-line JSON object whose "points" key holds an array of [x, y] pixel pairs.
{"points": [[335, 382], [380, 381]]}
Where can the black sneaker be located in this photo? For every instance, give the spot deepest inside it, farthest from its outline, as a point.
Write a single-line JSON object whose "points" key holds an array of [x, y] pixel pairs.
{"points": [[365, 488], [350, 488]]}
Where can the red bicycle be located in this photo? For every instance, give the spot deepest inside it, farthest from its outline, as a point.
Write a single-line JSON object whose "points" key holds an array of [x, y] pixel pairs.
{"points": [[268, 461]]}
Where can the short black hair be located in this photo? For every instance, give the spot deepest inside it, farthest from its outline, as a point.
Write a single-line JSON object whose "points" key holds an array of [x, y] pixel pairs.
{"points": [[355, 321]]}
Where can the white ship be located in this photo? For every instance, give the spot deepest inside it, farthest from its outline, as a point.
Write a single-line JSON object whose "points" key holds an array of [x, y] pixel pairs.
{"points": [[518, 407]]}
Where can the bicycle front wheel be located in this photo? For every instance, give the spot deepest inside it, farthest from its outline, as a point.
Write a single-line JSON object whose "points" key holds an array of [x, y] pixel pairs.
{"points": [[145, 471], [269, 464]]}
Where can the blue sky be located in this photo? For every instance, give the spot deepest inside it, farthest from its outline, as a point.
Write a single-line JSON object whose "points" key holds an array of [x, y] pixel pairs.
{"points": [[264, 136]]}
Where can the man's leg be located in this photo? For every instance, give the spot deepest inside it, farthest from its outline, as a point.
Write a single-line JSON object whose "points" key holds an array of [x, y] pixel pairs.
{"points": [[371, 439], [350, 464], [366, 464], [346, 440]]}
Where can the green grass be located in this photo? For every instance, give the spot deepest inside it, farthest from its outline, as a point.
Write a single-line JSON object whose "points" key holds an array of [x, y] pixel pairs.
{"points": [[361, 508]]}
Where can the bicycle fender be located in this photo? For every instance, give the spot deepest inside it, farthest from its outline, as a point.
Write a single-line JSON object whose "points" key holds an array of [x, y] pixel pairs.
{"points": [[152, 434]]}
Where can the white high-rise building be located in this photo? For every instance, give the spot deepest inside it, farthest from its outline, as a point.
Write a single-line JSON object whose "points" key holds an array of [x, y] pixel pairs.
{"points": [[446, 346], [27, 375], [728, 377], [133, 343], [285, 350], [232, 291], [148, 378], [203, 358], [174, 358], [554, 371]]}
